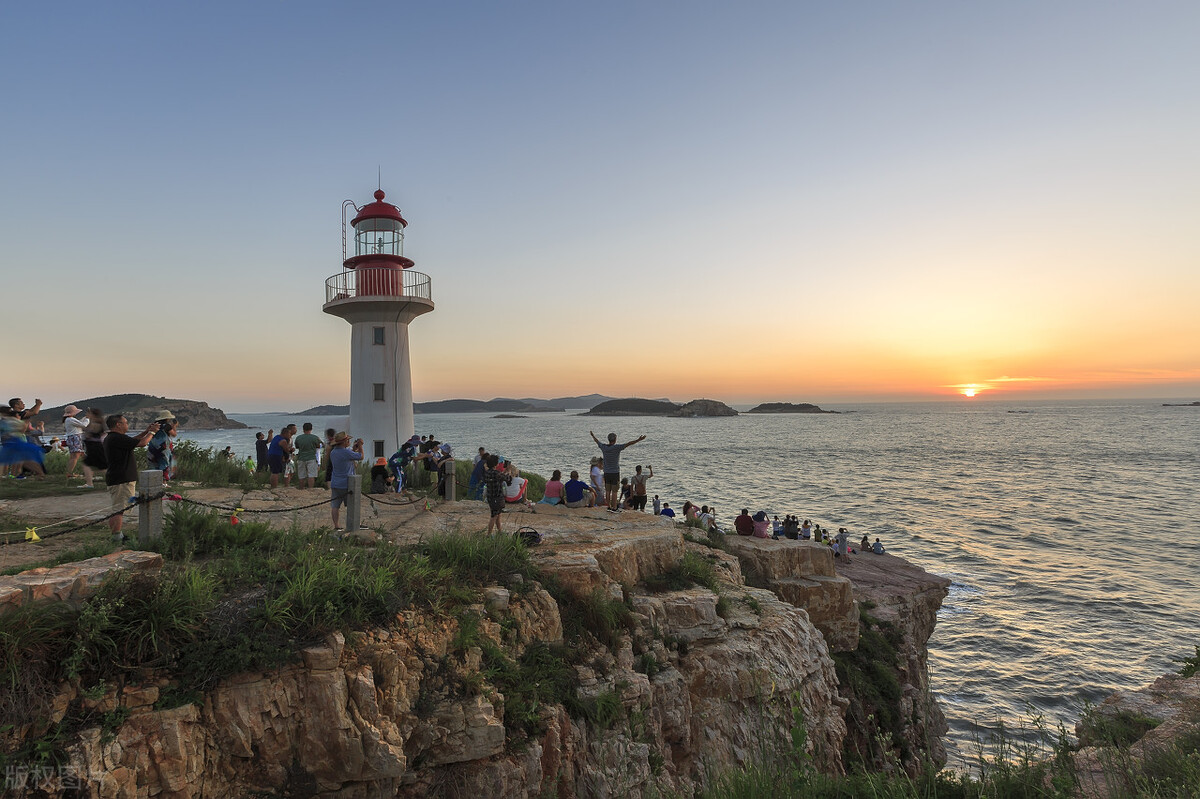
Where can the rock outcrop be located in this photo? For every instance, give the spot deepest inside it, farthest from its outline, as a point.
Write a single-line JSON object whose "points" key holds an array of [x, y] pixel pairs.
{"points": [[704, 407], [706, 680], [72, 583], [787, 407], [1130, 727], [645, 407]]}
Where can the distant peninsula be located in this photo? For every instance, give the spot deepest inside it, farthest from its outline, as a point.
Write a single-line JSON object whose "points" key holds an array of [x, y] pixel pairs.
{"points": [[1180, 404], [635, 406], [788, 407], [497, 405], [141, 410]]}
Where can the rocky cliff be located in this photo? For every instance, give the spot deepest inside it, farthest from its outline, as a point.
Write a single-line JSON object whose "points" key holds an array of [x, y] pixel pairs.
{"points": [[698, 680]]}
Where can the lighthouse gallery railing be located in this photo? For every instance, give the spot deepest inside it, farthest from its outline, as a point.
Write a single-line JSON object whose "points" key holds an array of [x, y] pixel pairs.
{"points": [[378, 282]]}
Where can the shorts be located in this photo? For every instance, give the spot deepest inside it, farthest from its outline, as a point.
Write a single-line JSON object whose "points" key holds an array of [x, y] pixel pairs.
{"points": [[337, 497], [306, 469], [639, 502], [496, 506], [275, 464], [121, 493], [612, 479], [579, 503], [75, 443]]}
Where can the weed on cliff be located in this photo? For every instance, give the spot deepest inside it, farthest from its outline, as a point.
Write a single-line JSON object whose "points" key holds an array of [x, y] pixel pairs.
{"points": [[868, 676], [597, 614], [1189, 665], [692, 569], [1118, 729]]}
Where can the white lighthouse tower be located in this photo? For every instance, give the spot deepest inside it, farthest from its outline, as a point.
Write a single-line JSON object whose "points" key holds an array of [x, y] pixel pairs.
{"points": [[378, 293]]}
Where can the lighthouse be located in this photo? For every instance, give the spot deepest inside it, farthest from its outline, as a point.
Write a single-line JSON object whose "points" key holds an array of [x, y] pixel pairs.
{"points": [[378, 293]]}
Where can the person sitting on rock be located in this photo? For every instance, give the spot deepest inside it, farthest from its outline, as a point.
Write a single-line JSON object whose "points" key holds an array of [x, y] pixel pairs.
{"points": [[667, 511], [762, 525], [877, 547], [743, 524], [577, 494], [554, 490], [515, 492], [865, 544], [806, 530]]}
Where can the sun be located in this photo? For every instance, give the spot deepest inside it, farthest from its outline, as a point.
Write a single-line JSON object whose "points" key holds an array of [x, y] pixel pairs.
{"points": [[968, 392]]}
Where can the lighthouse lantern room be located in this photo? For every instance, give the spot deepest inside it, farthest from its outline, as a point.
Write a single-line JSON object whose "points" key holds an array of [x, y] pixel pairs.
{"points": [[378, 293]]}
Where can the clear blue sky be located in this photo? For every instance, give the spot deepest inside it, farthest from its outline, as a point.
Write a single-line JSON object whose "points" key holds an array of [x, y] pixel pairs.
{"points": [[752, 201]]}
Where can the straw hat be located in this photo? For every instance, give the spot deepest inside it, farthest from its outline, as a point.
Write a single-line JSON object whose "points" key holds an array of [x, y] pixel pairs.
{"points": [[164, 416], [341, 436], [70, 410]]}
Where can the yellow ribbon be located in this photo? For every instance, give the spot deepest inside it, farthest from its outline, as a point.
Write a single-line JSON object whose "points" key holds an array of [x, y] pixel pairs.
{"points": [[31, 534]]}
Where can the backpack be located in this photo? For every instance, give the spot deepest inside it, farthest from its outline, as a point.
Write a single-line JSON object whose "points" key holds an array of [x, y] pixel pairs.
{"points": [[529, 537]]}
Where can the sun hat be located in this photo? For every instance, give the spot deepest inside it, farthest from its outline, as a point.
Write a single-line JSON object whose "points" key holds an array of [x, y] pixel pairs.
{"points": [[380, 461], [70, 410], [341, 436], [446, 448], [164, 416]]}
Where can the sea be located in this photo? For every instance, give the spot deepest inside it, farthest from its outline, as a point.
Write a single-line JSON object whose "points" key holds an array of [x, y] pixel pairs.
{"points": [[1070, 529]]}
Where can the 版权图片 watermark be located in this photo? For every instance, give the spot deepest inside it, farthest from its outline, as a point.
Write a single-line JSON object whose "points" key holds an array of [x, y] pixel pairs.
{"points": [[44, 777]]}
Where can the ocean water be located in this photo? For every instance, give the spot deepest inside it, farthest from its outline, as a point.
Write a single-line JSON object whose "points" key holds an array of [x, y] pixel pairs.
{"points": [[1071, 530]]}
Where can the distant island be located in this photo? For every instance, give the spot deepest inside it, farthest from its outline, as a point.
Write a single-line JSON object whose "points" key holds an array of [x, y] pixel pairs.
{"points": [[787, 407], [1181, 404], [496, 405], [509, 416], [636, 406], [141, 409]]}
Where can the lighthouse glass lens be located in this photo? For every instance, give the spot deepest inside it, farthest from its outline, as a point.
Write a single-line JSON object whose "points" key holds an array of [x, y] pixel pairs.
{"points": [[378, 236]]}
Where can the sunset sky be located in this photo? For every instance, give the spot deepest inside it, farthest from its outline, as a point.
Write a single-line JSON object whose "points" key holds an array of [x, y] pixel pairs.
{"points": [[743, 201]]}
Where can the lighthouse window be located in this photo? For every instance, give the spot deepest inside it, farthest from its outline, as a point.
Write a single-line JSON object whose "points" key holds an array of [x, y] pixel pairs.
{"points": [[379, 453], [378, 392], [378, 333]]}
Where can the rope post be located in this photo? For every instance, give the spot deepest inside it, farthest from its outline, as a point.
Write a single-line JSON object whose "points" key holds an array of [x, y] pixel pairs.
{"points": [[150, 514], [449, 479], [353, 503]]}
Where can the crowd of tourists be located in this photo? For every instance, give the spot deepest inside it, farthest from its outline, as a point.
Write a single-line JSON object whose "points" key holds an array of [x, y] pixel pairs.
{"points": [[99, 443]]}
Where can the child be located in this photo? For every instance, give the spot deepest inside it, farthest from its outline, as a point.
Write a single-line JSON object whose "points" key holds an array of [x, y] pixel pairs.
{"points": [[380, 479], [495, 481]]}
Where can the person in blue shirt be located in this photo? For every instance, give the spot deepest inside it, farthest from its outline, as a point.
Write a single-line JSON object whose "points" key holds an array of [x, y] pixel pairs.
{"points": [[578, 494], [667, 511], [343, 462]]}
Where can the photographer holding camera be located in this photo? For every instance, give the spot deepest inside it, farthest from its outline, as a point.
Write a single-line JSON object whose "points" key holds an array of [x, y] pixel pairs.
{"points": [[343, 461]]}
